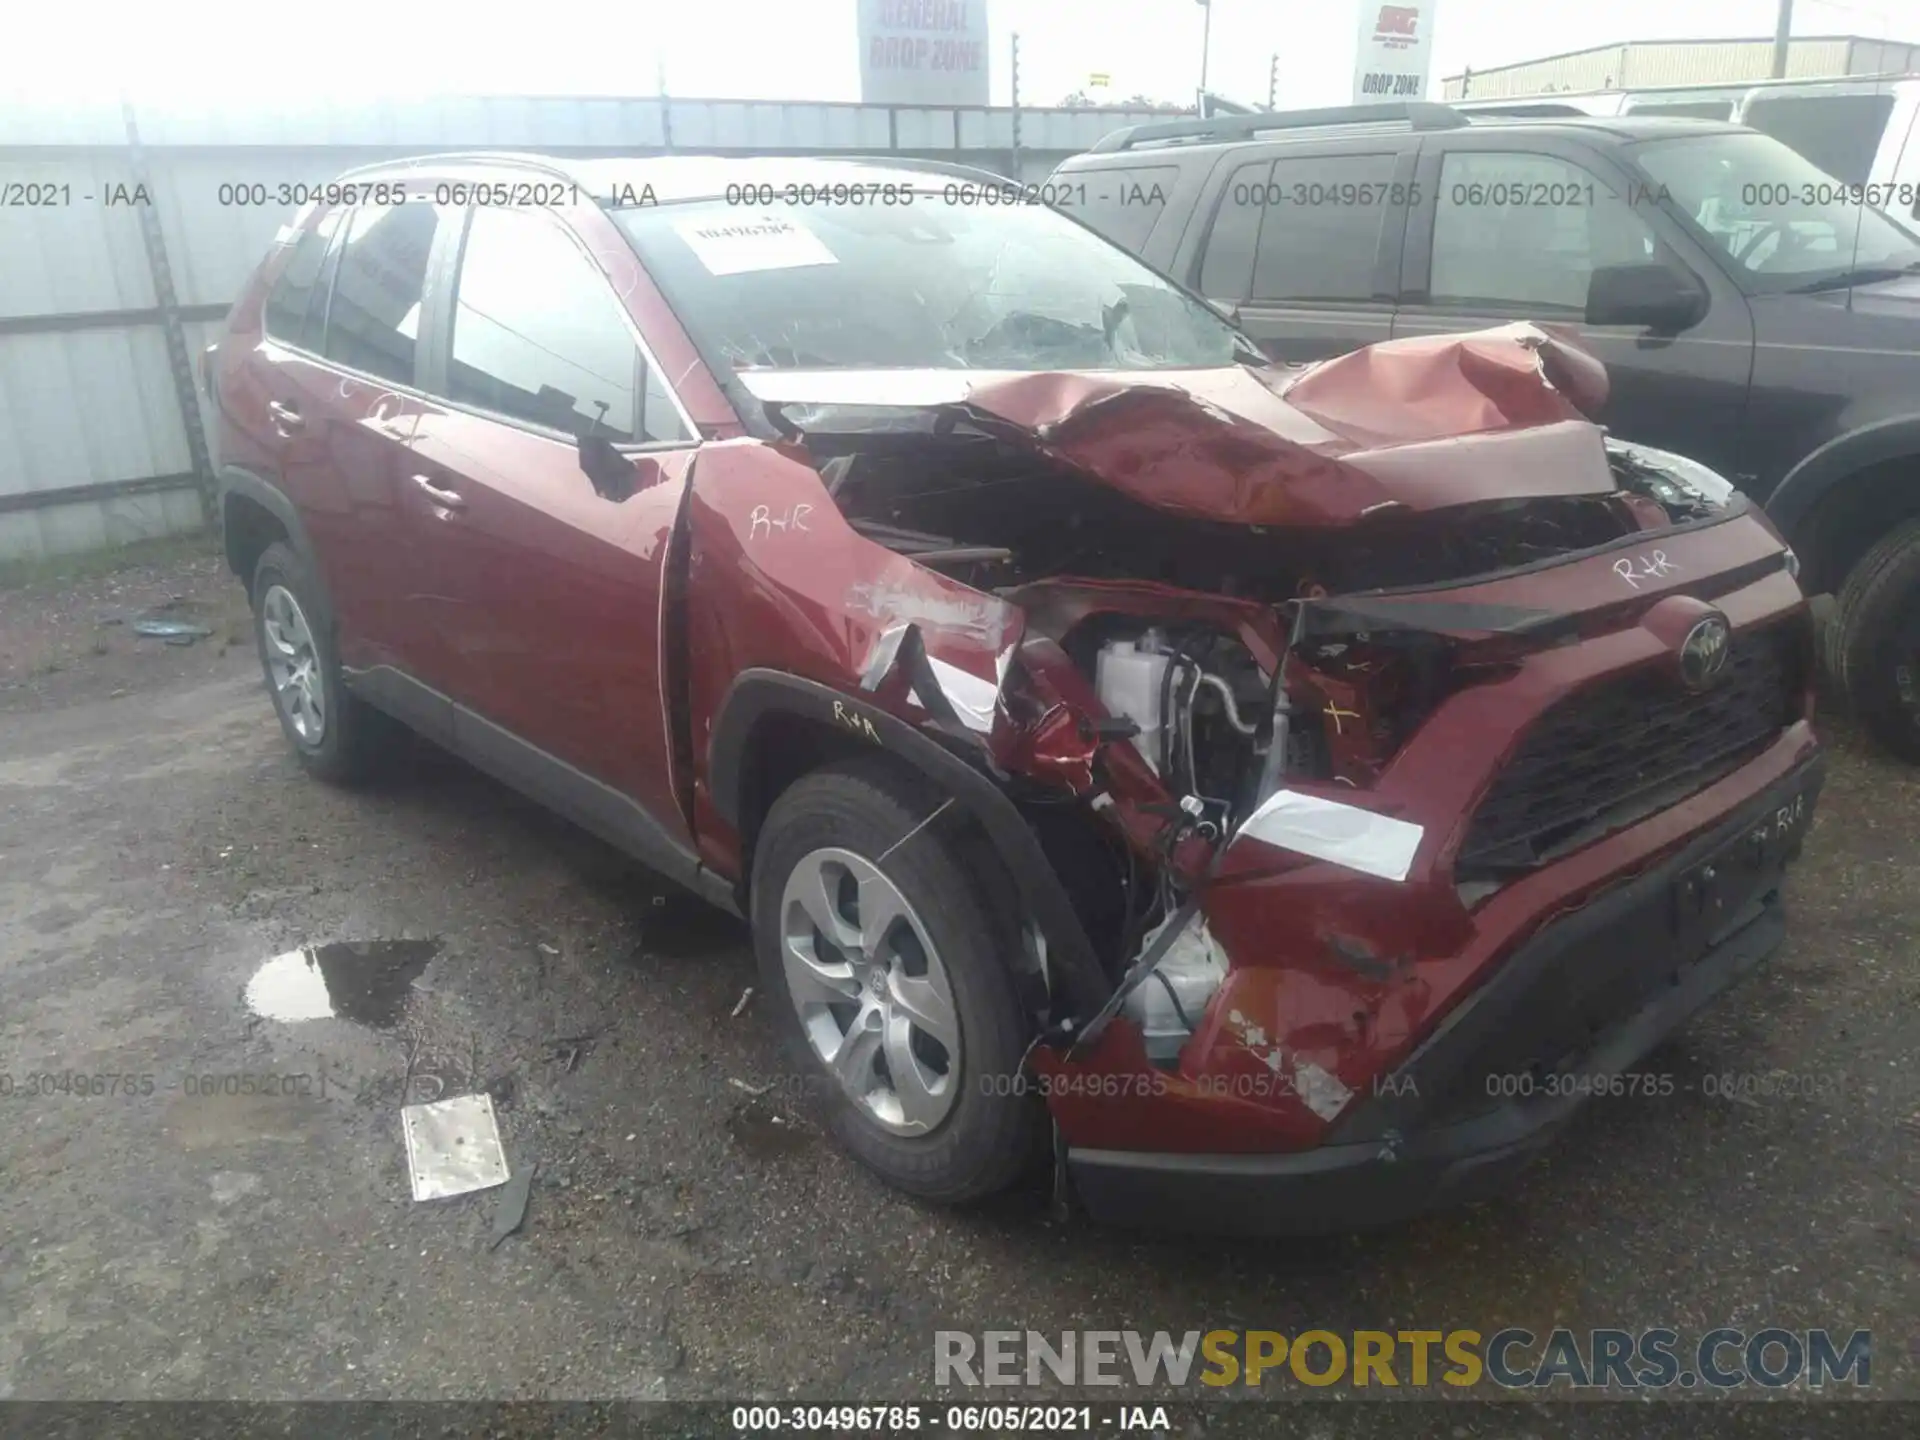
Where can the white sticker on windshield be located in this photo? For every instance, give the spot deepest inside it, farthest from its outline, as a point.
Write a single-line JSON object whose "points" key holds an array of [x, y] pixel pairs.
{"points": [[744, 243]]}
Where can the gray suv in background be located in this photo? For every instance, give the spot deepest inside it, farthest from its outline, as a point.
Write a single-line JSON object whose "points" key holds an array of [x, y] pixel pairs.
{"points": [[1753, 312]]}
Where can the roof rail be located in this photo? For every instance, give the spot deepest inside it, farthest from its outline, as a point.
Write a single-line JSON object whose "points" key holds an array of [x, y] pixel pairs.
{"points": [[1526, 109], [1417, 114]]}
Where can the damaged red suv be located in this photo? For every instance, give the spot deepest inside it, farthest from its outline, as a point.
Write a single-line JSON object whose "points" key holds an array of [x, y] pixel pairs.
{"points": [[1285, 792]]}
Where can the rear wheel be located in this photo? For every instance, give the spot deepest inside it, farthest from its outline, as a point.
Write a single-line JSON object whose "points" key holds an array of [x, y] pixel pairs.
{"points": [[336, 735], [902, 1006], [1873, 641]]}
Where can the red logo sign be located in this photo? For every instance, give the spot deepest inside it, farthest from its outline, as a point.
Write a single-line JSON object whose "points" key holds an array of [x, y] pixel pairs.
{"points": [[1397, 20]]}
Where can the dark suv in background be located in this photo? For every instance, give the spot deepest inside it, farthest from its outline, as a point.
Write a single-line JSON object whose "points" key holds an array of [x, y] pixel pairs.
{"points": [[1753, 312]]}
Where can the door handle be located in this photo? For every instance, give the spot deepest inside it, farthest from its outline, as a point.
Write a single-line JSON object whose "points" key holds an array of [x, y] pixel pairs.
{"points": [[285, 417], [444, 498]]}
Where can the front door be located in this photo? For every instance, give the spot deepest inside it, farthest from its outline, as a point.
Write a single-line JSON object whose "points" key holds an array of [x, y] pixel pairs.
{"points": [[551, 591]]}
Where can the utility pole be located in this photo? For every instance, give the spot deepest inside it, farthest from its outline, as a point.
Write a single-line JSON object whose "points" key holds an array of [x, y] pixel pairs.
{"points": [[1016, 105], [1273, 82], [1782, 31], [1206, 38]]}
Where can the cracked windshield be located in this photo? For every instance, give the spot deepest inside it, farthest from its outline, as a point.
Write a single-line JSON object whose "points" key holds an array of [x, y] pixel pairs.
{"points": [[933, 282]]}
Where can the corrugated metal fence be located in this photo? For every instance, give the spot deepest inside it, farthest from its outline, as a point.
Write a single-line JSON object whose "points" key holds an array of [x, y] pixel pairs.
{"points": [[125, 234]]}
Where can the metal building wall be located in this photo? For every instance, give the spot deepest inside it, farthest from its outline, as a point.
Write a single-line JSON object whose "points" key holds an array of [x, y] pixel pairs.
{"points": [[102, 437], [1882, 57], [1682, 62]]}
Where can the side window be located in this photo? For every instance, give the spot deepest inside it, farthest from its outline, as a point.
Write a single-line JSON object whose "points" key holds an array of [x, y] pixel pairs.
{"points": [[1121, 204], [292, 314], [373, 320], [1320, 233], [539, 336], [1839, 133], [1226, 270], [1527, 230]]}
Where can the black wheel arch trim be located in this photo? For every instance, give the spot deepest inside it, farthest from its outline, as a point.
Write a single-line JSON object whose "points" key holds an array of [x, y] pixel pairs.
{"points": [[1808, 483], [270, 497], [1074, 968]]}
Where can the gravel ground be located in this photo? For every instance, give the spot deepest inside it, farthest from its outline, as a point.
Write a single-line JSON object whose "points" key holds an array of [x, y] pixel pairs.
{"points": [[691, 1234]]}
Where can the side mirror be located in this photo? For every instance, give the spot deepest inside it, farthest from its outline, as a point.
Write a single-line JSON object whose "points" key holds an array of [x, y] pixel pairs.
{"points": [[1227, 310], [1663, 299], [614, 476]]}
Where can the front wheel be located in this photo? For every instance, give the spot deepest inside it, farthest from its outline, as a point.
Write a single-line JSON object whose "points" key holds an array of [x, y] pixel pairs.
{"points": [[1873, 648], [901, 1003]]}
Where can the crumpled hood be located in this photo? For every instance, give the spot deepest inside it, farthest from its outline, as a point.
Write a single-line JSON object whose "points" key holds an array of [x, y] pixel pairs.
{"points": [[1416, 425]]}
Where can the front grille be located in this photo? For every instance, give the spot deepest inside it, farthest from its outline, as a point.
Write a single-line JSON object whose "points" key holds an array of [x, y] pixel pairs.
{"points": [[1621, 750]]}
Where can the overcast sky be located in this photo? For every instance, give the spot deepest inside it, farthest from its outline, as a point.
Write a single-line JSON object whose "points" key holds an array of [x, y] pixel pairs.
{"points": [[803, 49]]}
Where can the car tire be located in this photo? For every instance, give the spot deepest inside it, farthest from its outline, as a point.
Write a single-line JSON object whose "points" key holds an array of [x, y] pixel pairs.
{"points": [[1873, 641], [855, 837], [336, 736]]}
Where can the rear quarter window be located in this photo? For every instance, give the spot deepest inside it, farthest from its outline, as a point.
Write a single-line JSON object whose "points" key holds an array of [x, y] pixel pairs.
{"points": [[297, 302], [1839, 133], [1123, 204]]}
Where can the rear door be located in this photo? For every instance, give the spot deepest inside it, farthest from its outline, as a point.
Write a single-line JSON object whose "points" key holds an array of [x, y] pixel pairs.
{"points": [[1138, 207], [1304, 242], [1512, 226], [356, 406], [551, 596]]}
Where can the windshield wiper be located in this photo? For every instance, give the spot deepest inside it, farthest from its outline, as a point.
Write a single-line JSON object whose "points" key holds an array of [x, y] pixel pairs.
{"points": [[1248, 353], [1861, 275]]}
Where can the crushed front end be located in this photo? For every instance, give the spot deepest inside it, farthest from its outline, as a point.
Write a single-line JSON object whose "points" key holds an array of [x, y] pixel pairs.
{"points": [[1408, 757]]}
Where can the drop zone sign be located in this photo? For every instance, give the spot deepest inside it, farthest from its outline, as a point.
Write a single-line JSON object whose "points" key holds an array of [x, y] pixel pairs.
{"points": [[1396, 49], [923, 52]]}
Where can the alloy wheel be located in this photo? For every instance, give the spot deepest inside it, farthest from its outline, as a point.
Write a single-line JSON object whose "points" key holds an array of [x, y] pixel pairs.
{"points": [[872, 991], [293, 664]]}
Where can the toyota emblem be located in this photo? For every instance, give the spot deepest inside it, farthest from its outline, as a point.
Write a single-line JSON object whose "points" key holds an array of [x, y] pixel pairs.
{"points": [[1704, 653]]}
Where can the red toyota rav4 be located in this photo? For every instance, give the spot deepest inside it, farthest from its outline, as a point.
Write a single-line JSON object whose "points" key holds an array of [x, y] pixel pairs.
{"points": [[1287, 792]]}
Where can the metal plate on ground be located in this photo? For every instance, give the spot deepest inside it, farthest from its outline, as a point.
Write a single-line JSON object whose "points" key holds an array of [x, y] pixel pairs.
{"points": [[453, 1147]]}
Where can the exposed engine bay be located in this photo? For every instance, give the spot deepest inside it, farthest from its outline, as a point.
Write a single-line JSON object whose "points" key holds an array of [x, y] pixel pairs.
{"points": [[1191, 602], [993, 516]]}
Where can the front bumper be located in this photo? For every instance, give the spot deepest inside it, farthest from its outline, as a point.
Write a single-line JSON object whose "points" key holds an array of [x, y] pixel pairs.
{"points": [[1580, 1002]]}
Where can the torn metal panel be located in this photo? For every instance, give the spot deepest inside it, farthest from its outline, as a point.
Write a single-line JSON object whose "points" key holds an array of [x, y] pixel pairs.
{"points": [[951, 695], [1564, 458], [952, 608], [1329, 830], [973, 698], [1494, 415], [786, 583], [1217, 445], [1431, 387]]}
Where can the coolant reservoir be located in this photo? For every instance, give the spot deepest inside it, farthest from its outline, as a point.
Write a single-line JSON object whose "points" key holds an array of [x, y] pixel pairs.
{"points": [[1128, 678]]}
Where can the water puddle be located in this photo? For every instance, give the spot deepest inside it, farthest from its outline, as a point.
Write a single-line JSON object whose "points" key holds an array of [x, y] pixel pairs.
{"points": [[365, 981]]}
